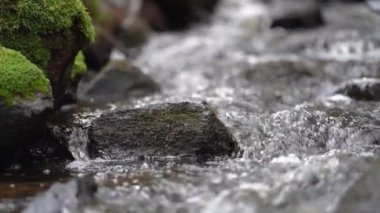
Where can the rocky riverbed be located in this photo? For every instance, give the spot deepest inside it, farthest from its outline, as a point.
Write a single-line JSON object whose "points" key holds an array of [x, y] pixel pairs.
{"points": [[240, 114]]}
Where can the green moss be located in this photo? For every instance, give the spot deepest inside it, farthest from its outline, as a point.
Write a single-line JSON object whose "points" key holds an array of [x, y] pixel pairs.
{"points": [[19, 78], [176, 115], [79, 67], [30, 45], [23, 24]]}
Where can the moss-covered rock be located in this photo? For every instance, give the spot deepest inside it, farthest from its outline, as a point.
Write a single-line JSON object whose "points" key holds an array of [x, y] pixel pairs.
{"points": [[24, 23], [25, 101], [19, 78], [48, 32], [181, 129]]}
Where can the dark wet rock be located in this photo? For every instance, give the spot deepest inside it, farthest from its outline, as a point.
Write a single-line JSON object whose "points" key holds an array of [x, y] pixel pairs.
{"points": [[98, 54], [296, 14], [134, 34], [108, 17], [21, 125], [119, 81], [308, 129], [176, 15], [69, 128], [363, 196], [365, 89], [180, 129], [73, 196]]}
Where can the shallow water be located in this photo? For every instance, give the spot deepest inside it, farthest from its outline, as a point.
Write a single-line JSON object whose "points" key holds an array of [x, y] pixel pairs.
{"points": [[302, 146]]}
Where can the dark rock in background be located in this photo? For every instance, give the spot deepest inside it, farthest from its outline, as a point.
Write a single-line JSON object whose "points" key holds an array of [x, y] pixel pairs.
{"points": [[119, 81], [97, 55], [180, 129], [296, 14], [134, 35], [365, 89], [176, 15]]}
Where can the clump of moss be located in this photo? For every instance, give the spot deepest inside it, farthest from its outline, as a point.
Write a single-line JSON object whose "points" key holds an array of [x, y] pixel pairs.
{"points": [[24, 24], [20, 78], [79, 67]]}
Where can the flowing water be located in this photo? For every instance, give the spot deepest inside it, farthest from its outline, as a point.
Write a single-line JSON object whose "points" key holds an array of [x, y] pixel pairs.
{"points": [[301, 145]]}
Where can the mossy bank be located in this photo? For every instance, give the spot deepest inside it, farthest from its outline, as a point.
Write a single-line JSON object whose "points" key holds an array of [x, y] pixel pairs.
{"points": [[49, 33], [19, 78], [24, 24]]}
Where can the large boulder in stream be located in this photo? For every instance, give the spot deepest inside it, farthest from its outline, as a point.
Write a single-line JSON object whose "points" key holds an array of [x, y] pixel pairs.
{"points": [[176, 129], [25, 100]]}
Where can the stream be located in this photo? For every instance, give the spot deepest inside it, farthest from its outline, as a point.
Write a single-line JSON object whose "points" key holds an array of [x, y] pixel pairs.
{"points": [[303, 142]]}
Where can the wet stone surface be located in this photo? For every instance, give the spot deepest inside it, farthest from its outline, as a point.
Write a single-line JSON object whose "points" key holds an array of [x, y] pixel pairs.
{"points": [[182, 129], [21, 125]]}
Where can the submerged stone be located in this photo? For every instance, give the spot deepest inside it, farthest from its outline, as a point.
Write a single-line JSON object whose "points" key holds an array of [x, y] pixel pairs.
{"points": [[176, 129]]}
